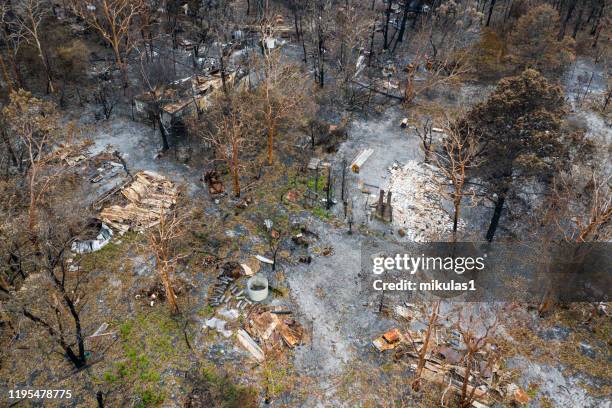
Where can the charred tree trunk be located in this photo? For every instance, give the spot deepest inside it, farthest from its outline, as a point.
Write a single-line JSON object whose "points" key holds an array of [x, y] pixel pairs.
{"points": [[578, 23], [371, 45], [223, 76], [456, 220], [568, 16], [499, 207], [9, 148], [303, 43], [77, 360], [162, 130], [595, 27], [491, 7], [402, 30], [386, 29]]}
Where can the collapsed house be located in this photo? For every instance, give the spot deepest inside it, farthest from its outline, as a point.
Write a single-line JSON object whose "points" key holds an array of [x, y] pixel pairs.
{"points": [[417, 206], [444, 364], [149, 196], [95, 237], [170, 104]]}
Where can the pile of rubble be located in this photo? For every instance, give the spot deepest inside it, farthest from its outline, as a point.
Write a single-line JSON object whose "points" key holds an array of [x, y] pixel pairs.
{"points": [[149, 196], [261, 329], [214, 183], [226, 289], [96, 236], [416, 203], [445, 365], [267, 331]]}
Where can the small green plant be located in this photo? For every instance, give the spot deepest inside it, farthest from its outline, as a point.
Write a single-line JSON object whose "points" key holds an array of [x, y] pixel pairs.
{"points": [[125, 329], [321, 213], [150, 398], [321, 184]]}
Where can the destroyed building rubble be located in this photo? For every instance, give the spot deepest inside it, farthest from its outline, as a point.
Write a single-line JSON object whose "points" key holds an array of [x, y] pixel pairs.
{"points": [[103, 237], [149, 196], [416, 202], [262, 328], [445, 363]]}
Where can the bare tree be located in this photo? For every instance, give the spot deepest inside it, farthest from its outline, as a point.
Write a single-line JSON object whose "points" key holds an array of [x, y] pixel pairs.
{"points": [[162, 242], [458, 154], [113, 20], [228, 132], [436, 50], [319, 26], [434, 314], [156, 74], [476, 334], [35, 124], [30, 17], [59, 287], [586, 203], [281, 92], [107, 98], [425, 134]]}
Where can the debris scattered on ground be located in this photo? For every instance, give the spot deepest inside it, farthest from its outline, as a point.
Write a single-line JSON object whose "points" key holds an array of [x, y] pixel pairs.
{"points": [[214, 183], [218, 295], [313, 163], [231, 269], [100, 331], [444, 365], [157, 293], [360, 160], [327, 251], [82, 245], [307, 259], [247, 269], [404, 312], [300, 240], [149, 196], [516, 394], [416, 202], [244, 203], [218, 325], [291, 196], [230, 314], [272, 330], [264, 259], [249, 344], [389, 340]]}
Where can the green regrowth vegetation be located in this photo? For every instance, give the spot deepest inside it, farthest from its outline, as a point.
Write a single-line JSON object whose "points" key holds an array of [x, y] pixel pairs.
{"points": [[150, 343]]}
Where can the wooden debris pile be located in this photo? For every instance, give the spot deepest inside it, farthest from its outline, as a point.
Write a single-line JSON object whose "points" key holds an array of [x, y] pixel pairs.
{"points": [[360, 160], [149, 196], [273, 329], [214, 183], [445, 365]]}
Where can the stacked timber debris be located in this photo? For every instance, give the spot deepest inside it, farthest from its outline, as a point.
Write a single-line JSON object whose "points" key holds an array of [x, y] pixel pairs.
{"points": [[149, 196], [267, 330], [445, 365], [417, 206]]}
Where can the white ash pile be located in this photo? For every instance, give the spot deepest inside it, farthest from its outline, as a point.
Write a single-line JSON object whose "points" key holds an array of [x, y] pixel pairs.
{"points": [[417, 203]]}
